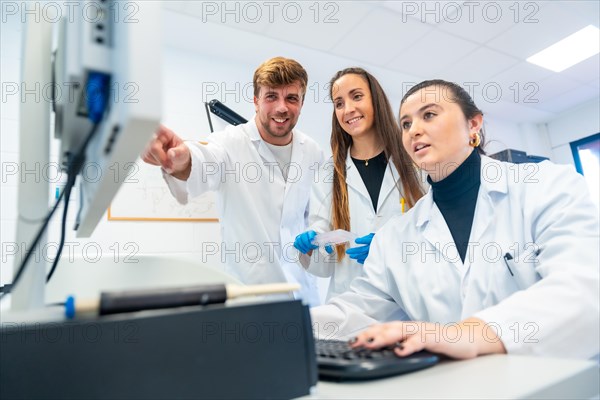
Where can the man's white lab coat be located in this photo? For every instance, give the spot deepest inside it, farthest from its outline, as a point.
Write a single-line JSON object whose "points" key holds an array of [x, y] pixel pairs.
{"points": [[260, 213]]}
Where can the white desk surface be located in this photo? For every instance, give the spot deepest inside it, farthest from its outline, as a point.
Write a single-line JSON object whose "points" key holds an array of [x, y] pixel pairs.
{"points": [[493, 376]]}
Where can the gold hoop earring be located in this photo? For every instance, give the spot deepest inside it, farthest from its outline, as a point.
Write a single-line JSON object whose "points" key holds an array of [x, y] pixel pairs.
{"points": [[475, 141]]}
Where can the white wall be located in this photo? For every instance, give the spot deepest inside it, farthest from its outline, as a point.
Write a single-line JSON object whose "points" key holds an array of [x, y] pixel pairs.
{"points": [[188, 75]]}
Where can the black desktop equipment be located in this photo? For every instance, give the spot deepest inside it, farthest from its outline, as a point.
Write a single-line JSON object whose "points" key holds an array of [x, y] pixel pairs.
{"points": [[338, 361], [536, 159], [251, 351], [517, 157], [511, 155], [226, 113]]}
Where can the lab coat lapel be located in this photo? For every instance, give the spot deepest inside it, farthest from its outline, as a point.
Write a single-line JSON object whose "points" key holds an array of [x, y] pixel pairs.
{"points": [[354, 180], [389, 183], [266, 153], [489, 190], [482, 219]]}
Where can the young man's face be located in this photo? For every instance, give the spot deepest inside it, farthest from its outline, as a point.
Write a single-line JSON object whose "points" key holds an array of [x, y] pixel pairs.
{"points": [[277, 112]]}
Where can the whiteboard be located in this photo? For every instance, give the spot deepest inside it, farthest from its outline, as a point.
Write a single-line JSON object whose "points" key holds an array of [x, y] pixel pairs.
{"points": [[145, 196]]}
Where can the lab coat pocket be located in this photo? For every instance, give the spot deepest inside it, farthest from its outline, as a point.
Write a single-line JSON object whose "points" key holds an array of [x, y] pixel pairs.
{"points": [[505, 275], [522, 266]]}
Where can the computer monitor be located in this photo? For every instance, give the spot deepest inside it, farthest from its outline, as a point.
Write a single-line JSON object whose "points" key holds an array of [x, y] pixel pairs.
{"points": [[99, 48]]}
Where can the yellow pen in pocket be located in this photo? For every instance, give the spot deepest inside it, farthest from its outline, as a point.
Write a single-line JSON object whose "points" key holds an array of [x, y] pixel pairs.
{"points": [[402, 204]]}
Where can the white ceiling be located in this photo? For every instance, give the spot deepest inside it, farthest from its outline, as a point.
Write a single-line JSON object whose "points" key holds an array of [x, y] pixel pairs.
{"points": [[482, 45]]}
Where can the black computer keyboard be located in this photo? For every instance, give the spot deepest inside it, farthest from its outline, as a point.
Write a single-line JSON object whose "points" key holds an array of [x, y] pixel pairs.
{"points": [[337, 361]]}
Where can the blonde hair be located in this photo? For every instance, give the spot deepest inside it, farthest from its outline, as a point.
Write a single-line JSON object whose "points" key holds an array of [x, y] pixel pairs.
{"points": [[279, 71]]}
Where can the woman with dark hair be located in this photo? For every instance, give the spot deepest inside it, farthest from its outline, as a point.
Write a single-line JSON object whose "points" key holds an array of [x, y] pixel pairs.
{"points": [[496, 258], [369, 178]]}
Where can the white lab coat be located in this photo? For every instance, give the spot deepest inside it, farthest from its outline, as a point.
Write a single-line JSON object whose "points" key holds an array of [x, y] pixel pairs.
{"points": [[363, 219], [551, 304], [260, 213]]}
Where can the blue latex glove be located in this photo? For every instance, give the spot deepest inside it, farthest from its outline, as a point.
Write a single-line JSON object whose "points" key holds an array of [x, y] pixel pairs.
{"points": [[303, 243], [360, 253]]}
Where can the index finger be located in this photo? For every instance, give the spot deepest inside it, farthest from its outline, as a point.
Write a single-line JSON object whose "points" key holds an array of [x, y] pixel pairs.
{"points": [[163, 140], [156, 151]]}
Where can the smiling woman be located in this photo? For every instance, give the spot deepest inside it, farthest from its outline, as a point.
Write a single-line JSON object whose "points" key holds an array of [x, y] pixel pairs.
{"points": [[484, 263], [368, 180]]}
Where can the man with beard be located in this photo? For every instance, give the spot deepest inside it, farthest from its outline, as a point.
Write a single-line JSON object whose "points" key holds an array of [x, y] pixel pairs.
{"points": [[262, 172]]}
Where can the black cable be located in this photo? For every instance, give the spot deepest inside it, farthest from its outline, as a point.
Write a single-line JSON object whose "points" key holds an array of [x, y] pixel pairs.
{"points": [[73, 170], [35, 243], [62, 231], [5, 288], [74, 167], [96, 87]]}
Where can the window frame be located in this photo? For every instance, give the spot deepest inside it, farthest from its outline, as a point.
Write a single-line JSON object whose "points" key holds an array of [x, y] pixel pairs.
{"points": [[575, 150]]}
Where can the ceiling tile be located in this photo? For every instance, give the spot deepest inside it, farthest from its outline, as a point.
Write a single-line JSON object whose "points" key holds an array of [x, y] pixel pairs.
{"points": [[405, 42], [541, 25], [318, 25], [587, 10], [519, 84], [433, 12], [247, 16], [570, 99], [218, 40], [417, 60], [380, 37], [554, 86], [586, 71], [481, 22], [478, 66], [522, 73], [514, 112]]}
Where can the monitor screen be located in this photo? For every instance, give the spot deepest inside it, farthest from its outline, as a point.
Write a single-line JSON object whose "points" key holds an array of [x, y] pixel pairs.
{"points": [[105, 77]]}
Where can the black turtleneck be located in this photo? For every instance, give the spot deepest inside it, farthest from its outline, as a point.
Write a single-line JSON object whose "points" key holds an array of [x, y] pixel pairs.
{"points": [[456, 196]]}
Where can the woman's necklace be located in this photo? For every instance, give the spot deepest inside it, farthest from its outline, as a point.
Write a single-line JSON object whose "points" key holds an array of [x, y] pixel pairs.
{"points": [[368, 159]]}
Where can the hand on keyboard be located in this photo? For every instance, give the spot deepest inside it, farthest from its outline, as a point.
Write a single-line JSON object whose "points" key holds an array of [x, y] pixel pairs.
{"points": [[337, 360], [465, 339]]}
